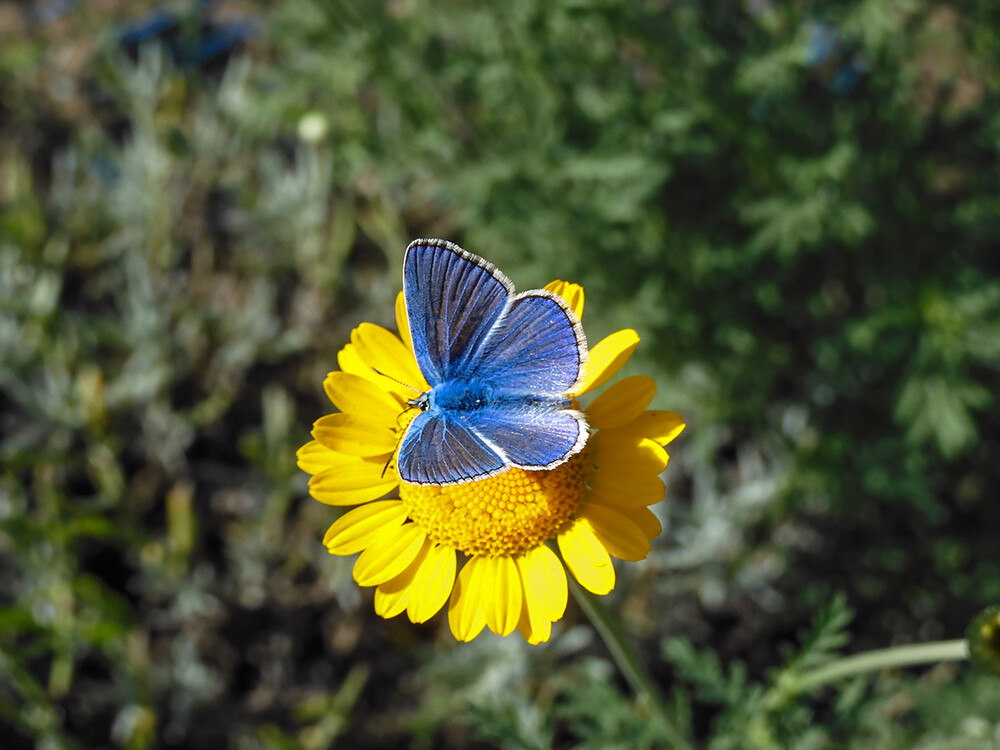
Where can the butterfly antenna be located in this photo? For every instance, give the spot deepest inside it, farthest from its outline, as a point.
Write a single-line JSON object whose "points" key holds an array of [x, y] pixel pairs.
{"points": [[394, 380], [398, 441]]}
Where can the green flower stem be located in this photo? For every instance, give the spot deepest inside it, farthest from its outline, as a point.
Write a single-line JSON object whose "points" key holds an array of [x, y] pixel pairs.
{"points": [[883, 658], [628, 662]]}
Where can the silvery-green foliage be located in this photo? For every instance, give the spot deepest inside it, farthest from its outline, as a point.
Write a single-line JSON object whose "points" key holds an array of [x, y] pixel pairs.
{"points": [[794, 204]]}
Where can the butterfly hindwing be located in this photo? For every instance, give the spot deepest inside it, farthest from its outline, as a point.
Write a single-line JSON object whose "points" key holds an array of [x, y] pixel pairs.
{"points": [[453, 299], [536, 347], [530, 437], [439, 448]]}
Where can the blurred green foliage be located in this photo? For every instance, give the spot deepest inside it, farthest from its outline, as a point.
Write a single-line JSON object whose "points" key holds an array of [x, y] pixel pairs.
{"points": [[795, 204]]}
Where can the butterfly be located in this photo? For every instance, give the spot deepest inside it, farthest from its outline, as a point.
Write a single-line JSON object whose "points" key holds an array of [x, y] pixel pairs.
{"points": [[500, 367]]}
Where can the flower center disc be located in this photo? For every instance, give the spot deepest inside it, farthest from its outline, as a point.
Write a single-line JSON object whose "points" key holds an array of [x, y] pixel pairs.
{"points": [[508, 514]]}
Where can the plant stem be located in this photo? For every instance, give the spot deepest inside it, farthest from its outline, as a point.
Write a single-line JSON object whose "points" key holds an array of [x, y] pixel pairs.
{"points": [[610, 630], [883, 658]]}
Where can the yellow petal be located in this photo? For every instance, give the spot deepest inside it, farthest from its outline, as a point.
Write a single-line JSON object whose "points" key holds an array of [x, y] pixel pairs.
{"points": [[535, 627], [587, 559], [354, 435], [616, 532], [383, 351], [395, 595], [544, 581], [389, 603], [661, 426], [433, 583], [358, 395], [354, 530], [465, 611], [403, 321], [501, 594], [572, 293], [645, 519], [349, 361], [352, 481], [632, 455], [390, 551], [627, 489], [314, 457], [621, 403], [623, 501], [607, 358]]}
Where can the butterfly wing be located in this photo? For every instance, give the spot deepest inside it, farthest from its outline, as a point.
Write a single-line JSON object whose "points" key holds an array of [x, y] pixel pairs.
{"points": [[453, 299], [531, 437], [534, 356], [537, 347], [440, 448]]}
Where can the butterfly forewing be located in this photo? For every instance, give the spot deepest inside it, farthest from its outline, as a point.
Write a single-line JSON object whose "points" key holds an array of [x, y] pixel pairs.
{"points": [[537, 347], [453, 299]]}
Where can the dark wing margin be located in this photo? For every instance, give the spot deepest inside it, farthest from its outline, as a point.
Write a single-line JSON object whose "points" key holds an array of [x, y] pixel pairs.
{"points": [[453, 299], [537, 347], [532, 437], [441, 449]]}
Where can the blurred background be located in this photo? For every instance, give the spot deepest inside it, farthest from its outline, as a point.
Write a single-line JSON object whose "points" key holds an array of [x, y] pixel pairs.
{"points": [[796, 204]]}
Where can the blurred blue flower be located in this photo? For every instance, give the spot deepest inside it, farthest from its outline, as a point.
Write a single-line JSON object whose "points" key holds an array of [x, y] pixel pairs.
{"points": [[193, 38], [831, 57], [848, 75], [822, 43]]}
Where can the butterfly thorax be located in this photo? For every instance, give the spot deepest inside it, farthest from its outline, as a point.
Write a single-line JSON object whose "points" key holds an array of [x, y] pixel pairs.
{"points": [[462, 396]]}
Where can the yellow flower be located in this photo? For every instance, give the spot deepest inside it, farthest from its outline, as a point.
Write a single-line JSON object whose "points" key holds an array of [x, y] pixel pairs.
{"points": [[593, 506]]}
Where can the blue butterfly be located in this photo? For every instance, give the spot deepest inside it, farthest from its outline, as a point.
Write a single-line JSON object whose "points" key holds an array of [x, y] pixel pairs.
{"points": [[500, 365]]}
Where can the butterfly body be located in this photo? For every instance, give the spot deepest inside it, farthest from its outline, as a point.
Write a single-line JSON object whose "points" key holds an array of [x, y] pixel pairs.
{"points": [[501, 367], [463, 397]]}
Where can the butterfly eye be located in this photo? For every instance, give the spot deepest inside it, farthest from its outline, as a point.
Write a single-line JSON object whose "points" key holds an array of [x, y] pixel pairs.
{"points": [[420, 402]]}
